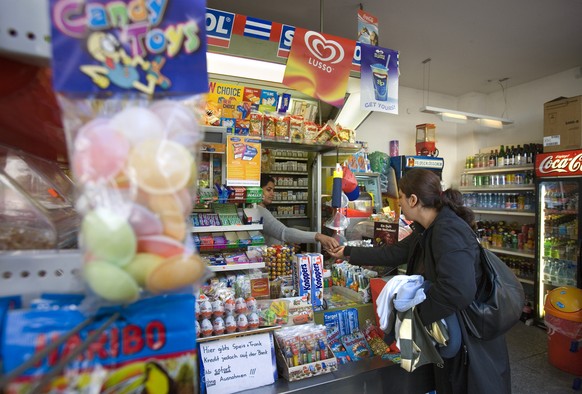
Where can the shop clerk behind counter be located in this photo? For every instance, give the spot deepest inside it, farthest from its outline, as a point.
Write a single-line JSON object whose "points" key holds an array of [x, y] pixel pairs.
{"points": [[276, 232]]}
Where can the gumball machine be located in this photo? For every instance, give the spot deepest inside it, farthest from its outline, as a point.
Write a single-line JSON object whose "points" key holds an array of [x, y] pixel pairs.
{"points": [[426, 140]]}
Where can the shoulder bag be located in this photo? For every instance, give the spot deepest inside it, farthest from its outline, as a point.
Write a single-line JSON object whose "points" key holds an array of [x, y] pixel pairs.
{"points": [[499, 301]]}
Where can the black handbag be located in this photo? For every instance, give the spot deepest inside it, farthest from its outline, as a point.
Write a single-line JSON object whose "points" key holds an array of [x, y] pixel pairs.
{"points": [[499, 301]]}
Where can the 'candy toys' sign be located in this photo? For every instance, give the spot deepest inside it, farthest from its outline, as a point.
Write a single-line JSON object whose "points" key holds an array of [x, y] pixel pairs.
{"points": [[231, 365], [129, 45]]}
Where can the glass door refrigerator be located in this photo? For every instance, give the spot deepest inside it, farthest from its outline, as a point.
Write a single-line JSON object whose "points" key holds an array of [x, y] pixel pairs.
{"points": [[558, 184]]}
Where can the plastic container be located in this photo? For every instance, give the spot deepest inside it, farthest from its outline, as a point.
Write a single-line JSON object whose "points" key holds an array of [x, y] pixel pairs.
{"points": [[36, 203], [563, 307]]}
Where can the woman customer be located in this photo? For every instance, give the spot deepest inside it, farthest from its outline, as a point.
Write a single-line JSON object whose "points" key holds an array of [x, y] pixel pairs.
{"points": [[276, 232], [443, 249]]}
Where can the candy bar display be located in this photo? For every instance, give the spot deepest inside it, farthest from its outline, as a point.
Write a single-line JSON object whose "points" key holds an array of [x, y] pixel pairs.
{"points": [[131, 122], [278, 261], [303, 352]]}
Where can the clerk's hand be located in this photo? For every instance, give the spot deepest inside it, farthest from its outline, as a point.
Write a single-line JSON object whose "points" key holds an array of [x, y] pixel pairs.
{"points": [[337, 253], [327, 242]]}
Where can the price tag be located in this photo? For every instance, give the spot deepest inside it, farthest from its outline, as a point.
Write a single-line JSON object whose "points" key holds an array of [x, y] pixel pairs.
{"points": [[231, 365]]}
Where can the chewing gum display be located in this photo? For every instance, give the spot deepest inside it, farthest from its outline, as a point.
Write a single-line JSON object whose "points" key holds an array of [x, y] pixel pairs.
{"points": [[302, 275], [316, 263]]}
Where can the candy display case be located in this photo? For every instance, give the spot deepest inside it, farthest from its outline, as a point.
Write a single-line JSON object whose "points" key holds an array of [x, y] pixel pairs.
{"points": [[36, 203]]}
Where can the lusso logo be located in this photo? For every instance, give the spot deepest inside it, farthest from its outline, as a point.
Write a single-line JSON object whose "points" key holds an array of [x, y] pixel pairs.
{"points": [[327, 52]]}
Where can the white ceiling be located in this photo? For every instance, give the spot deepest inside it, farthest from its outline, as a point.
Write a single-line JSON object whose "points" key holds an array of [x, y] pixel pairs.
{"points": [[472, 44]]}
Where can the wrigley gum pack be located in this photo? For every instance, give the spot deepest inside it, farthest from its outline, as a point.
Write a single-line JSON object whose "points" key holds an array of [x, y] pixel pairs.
{"points": [[316, 262], [152, 344], [302, 275]]}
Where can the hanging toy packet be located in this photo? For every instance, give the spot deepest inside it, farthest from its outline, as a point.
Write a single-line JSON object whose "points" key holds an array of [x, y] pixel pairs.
{"points": [[130, 78]]}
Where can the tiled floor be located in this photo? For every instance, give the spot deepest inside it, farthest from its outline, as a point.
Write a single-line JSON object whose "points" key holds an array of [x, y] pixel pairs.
{"points": [[531, 372]]}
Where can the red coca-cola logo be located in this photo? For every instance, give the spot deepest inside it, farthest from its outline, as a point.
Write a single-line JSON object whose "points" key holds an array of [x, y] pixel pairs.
{"points": [[560, 164]]}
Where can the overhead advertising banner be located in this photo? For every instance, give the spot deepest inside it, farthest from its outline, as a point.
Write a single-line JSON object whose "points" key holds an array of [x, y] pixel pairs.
{"points": [[379, 79], [367, 28], [319, 65], [219, 27]]}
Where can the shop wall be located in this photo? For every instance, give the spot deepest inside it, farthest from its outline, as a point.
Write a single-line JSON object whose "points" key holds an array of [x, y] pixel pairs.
{"points": [[523, 103]]}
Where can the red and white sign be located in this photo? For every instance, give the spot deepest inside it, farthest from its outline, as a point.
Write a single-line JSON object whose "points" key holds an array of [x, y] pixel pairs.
{"points": [[565, 163]]}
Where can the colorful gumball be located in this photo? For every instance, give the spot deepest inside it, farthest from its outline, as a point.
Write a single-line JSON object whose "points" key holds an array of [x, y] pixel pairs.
{"points": [[175, 272], [159, 244], [138, 124], [160, 166], [108, 236], [100, 152], [141, 266], [144, 222], [110, 282]]}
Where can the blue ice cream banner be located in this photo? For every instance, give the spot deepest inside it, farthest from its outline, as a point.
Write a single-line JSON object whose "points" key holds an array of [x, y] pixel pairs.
{"points": [[150, 47], [157, 332], [379, 79]]}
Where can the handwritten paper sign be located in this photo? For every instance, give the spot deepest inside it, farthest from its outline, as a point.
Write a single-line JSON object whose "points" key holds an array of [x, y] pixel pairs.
{"points": [[231, 365]]}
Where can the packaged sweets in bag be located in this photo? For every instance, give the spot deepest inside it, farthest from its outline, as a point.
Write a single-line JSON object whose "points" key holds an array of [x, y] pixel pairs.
{"points": [[129, 78]]}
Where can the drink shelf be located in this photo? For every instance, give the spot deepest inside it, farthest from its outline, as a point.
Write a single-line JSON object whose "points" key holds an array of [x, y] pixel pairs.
{"points": [[560, 212], [489, 170], [504, 212], [291, 158], [238, 227], [489, 188], [513, 252]]}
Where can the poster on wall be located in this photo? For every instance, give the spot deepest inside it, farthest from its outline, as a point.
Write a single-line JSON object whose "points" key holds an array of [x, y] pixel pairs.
{"points": [[367, 28], [379, 79], [319, 65], [243, 161]]}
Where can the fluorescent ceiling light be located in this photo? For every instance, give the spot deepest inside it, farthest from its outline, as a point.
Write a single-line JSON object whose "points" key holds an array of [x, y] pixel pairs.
{"points": [[494, 124], [245, 68], [467, 115], [351, 116], [455, 118]]}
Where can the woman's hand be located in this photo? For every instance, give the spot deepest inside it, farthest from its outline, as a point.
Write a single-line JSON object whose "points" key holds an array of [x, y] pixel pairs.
{"points": [[327, 242], [337, 253]]}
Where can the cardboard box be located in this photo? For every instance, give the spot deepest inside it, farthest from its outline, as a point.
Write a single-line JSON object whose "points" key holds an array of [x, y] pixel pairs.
{"points": [[562, 124], [299, 372]]}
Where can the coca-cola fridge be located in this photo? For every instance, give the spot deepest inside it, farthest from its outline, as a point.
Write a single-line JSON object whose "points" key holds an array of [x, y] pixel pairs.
{"points": [[558, 184]]}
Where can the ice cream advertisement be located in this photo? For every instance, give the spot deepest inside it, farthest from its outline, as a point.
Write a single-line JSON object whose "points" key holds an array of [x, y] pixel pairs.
{"points": [[319, 65], [379, 79]]}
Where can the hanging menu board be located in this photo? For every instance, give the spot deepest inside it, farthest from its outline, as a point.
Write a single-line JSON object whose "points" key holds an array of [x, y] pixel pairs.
{"points": [[231, 365]]}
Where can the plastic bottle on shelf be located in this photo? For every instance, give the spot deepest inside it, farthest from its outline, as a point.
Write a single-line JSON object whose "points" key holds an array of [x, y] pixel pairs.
{"points": [[547, 269]]}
